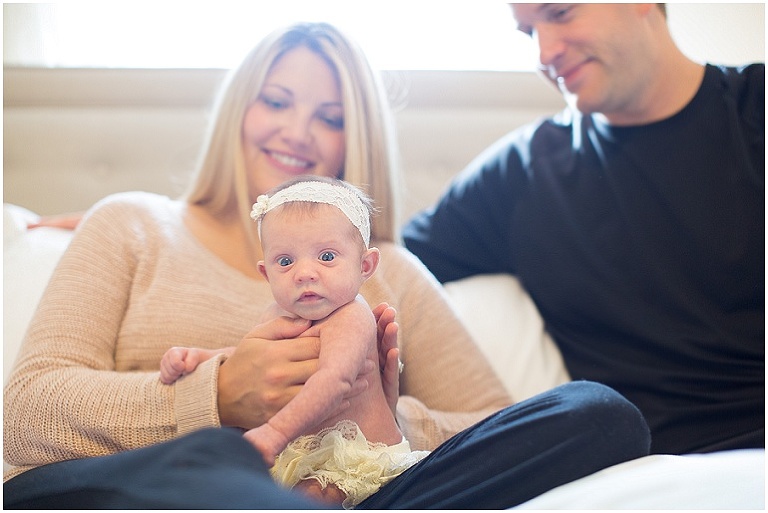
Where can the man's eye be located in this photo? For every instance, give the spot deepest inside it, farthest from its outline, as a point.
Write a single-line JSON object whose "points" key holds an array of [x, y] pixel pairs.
{"points": [[284, 261], [560, 13], [327, 256]]}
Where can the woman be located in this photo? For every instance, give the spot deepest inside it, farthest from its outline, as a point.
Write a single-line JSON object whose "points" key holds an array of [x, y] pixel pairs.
{"points": [[90, 424]]}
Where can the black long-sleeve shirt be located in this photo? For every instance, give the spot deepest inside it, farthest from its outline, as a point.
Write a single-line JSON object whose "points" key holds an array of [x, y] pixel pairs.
{"points": [[643, 248]]}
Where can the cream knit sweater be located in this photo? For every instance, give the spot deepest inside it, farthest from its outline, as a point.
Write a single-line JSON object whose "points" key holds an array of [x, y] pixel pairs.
{"points": [[135, 282]]}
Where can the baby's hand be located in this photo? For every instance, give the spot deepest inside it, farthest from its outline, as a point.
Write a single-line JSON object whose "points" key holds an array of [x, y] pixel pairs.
{"points": [[268, 441], [176, 362]]}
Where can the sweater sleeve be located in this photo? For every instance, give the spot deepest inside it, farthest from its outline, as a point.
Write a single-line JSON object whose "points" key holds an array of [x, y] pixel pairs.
{"points": [[65, 398], [196, 397], [447, 383]]}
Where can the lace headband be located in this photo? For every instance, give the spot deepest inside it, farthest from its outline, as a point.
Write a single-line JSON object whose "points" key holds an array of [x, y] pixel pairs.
{"points": [[318, 192]]}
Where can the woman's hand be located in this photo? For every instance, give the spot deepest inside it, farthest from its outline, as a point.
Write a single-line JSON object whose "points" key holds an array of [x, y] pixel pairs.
{"points": [[267, 369], [389, 353]]}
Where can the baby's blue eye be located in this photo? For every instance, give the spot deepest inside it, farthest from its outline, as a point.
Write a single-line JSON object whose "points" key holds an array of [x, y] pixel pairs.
{"points": [[327, 256], [284, 261]]}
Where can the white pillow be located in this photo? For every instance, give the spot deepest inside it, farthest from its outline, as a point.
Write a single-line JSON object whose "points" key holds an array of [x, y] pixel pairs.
{"points": [[29, 257], [15, 220], [507, 326]]}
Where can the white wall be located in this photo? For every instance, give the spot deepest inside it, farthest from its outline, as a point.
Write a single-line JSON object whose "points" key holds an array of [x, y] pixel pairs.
{"points": [[72, 136], [728, 33]]}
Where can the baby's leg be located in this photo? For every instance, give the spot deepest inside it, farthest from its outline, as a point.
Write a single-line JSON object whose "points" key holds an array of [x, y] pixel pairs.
{"points": [[178, 361], [329, 495]]}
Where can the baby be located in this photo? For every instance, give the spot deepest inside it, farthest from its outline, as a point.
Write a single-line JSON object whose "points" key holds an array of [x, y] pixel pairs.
{"points": [[315, 237]]}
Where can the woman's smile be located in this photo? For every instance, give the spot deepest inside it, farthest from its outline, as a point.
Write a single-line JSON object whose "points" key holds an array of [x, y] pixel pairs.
{"points": [[288, 163]]}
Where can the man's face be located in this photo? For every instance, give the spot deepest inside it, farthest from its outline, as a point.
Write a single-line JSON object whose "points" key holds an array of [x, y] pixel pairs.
{"points": [[593, 53]]}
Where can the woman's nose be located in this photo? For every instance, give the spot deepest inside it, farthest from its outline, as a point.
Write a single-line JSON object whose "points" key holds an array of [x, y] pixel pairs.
{"points": [[297, 129]]}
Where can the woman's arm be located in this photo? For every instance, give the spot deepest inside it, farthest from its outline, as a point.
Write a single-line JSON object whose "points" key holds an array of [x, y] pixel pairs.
{"points": [[61, 399]]}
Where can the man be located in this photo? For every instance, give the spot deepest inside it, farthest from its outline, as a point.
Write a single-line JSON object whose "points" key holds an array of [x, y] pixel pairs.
{"points": [[635, 218]]}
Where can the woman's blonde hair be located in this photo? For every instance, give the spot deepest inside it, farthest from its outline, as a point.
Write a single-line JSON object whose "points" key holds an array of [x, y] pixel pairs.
{"points": [[221, 184]]}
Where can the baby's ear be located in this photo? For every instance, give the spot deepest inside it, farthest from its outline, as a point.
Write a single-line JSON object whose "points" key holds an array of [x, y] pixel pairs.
{"points": [[262, 269], [370, 262]]}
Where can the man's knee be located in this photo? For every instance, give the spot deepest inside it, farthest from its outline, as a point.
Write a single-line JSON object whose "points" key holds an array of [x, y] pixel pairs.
{"points": [[603, 413]]}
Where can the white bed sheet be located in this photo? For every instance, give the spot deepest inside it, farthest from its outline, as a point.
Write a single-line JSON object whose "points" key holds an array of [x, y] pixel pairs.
{"points": [[723, 480]]}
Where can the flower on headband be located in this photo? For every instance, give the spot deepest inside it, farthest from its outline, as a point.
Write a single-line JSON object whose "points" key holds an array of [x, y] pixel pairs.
{"points": [[260, 207]]}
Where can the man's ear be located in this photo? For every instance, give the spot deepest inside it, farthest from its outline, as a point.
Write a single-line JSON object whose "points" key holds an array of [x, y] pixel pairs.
{"points": [[370, 262], [262, 269]]}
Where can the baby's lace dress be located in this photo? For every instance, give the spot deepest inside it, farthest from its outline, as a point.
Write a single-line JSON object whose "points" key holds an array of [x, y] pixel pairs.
{"points": [[341, 455]]}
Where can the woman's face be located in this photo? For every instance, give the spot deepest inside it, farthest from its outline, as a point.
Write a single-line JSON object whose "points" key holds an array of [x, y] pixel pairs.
{"points": [[296, 125]]}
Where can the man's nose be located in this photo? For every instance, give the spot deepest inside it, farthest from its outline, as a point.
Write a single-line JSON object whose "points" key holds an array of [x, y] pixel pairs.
{"points": [[551, 47]]}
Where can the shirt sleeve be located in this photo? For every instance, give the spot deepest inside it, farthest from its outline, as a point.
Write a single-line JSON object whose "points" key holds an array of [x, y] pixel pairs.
{"points": [[469, 230]]}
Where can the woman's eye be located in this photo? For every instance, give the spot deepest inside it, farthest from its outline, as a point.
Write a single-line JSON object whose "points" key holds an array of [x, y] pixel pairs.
{"points": [[327, 256], [273, 103], [334, 122], [332, 117], [284, 261]]}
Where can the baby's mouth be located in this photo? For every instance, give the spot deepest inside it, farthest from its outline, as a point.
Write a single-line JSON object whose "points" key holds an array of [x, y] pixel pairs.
{"points": [[309, 296]]}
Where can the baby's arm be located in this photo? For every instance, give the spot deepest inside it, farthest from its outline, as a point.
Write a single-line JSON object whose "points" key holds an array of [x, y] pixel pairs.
{"points": [[346, 339], [178, 361]]}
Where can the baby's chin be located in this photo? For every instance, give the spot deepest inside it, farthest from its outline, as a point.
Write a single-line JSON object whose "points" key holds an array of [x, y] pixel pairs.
{"points": [[313, 309]]}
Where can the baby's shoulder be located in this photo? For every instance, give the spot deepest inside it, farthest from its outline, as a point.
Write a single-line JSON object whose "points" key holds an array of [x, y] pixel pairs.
{"points": [[352, 315]]}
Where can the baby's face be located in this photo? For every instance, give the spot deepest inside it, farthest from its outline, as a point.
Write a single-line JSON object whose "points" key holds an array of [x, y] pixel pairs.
{"points": [[313, 259]]}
